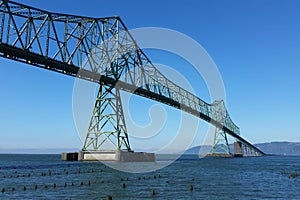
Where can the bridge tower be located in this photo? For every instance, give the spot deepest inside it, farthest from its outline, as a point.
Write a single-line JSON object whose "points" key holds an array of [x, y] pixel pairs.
{"points": [[107, 129], [220, 143]]}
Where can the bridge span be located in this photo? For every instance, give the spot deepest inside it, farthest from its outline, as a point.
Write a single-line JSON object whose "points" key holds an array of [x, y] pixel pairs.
{"points": [[101, 50]]}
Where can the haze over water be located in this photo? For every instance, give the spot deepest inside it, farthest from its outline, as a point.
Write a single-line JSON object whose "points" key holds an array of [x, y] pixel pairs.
{"points": [[212, 178]]}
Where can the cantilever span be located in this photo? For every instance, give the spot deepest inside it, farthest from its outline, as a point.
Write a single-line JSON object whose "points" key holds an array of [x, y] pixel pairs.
{"points": [[100, 50]]}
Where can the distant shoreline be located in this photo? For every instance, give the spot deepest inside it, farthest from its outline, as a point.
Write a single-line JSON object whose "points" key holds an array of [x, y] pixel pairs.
{"points": [[270, 148]]}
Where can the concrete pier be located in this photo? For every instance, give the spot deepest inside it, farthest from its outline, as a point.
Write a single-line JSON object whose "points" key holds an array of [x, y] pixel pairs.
{"points": [[220, 155], [118, 156], [238, 152], [69, 156], [123, 156]]}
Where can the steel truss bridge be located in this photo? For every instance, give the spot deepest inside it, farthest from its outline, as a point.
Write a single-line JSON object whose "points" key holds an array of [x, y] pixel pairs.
{"points": [[101, 50]]}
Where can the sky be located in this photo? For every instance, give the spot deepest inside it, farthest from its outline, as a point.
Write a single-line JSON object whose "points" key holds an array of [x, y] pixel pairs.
{"points": [[255, 45]]}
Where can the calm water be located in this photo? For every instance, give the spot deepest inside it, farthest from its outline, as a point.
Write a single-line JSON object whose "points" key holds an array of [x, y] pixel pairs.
{"points": [[212, 178]]}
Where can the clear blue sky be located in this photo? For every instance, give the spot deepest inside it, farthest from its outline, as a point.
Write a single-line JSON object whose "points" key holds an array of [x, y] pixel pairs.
{"points": [[255, 44]]}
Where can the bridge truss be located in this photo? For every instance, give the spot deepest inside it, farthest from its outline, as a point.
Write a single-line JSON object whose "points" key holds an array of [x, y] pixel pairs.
{"points": [[102, 50]]}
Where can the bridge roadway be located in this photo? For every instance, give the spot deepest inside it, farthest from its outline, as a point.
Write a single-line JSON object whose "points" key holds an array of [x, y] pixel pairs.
{"points": [[55, 41]]}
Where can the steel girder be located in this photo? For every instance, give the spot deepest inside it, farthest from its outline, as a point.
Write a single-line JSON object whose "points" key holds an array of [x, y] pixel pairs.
{"points": [[99, 50]]}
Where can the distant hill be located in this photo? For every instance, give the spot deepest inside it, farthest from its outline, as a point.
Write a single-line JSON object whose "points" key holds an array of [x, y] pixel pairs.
{"points": [[37, 151], [280, 148], [196, 150], [277, 148]]}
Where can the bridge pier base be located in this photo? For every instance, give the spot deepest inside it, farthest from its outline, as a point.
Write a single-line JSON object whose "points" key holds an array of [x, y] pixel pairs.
{"points": [[118, 156], [238, 151]]}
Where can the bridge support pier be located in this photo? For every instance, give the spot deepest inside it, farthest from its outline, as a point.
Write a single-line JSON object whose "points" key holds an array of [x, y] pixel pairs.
{"points": [[220, 145], [107, 129], [238, 150], [107, 138], [118, 156]]}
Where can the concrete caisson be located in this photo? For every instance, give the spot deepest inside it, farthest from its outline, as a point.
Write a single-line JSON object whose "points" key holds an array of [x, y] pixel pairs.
{"points": [[118, 156]]}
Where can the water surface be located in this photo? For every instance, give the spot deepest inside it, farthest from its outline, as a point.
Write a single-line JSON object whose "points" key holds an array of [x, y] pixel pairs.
{"points": [[47, 177]]}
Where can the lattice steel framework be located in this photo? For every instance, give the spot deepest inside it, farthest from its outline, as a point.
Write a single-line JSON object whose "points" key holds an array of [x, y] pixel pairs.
{"points": [[220, 144], [107, 129], [106, 53], [247, 151]]}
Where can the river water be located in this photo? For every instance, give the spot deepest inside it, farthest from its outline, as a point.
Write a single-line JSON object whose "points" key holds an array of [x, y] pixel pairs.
{"points": [[47, 177]]}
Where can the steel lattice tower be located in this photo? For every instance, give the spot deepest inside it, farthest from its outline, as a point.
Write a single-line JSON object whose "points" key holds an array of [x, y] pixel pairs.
{"points": [[107, 129], [220, 144]]}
